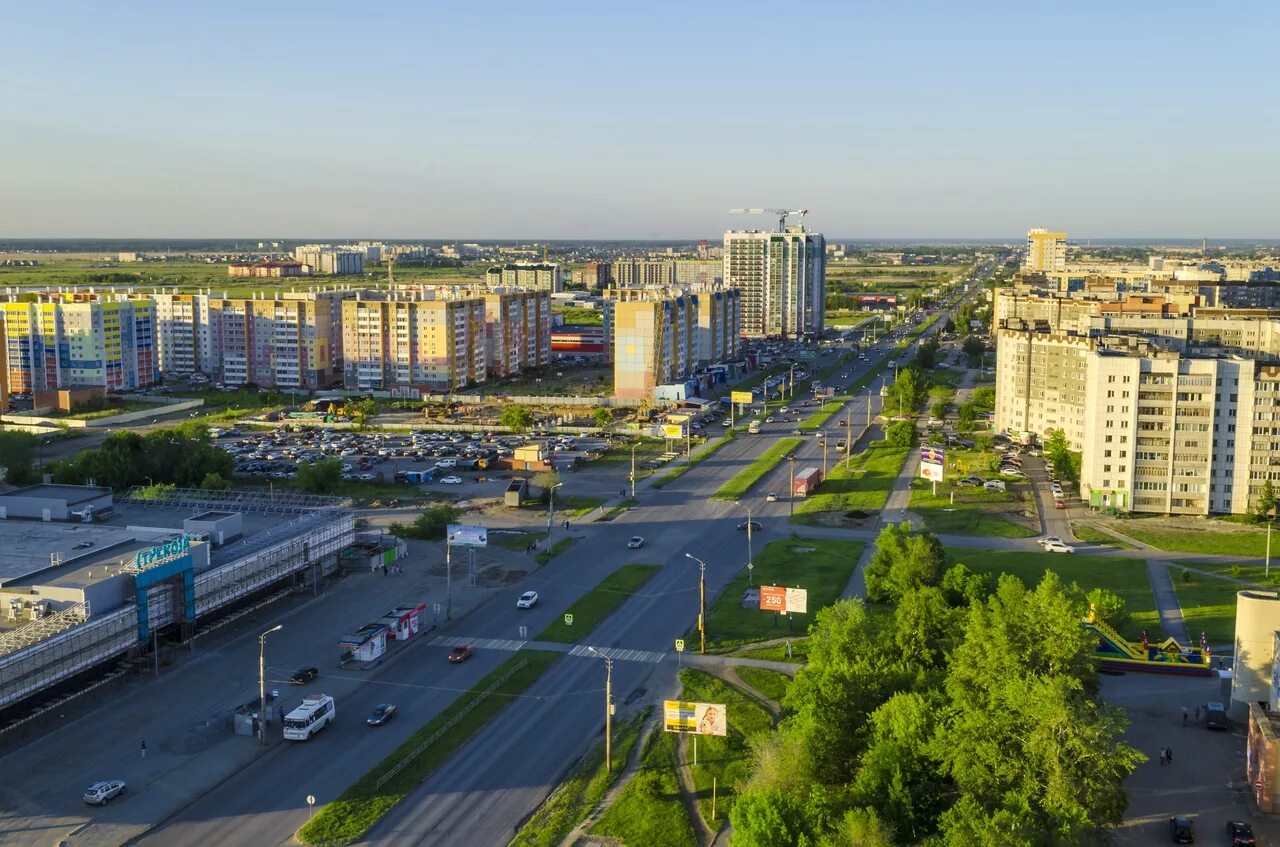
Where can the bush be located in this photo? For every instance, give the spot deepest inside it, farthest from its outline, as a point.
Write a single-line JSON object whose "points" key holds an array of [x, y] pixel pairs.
{"points": [[900, 434], [1110, 607], [320, 477], [428, 526]]}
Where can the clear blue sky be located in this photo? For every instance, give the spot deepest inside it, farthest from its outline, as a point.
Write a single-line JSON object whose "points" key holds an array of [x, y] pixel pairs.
{"points": [[637, 120]]}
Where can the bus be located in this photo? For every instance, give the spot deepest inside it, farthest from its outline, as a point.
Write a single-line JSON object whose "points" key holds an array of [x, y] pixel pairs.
{"points": [[315, 713]]}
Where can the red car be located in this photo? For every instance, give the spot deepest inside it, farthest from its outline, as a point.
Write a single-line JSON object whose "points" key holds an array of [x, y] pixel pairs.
{"points": [[460, 653]]}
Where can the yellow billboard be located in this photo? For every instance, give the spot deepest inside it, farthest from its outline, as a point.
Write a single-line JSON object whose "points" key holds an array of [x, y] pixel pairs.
{"points": [[695, 718], [740, 397], [673, 431]]}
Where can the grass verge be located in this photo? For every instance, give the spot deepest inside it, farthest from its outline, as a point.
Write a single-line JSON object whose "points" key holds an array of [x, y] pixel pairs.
{"points": [[824, 414], [862, 484], [649, 809], [515, 541], [752, 473], [619, 509], [545, 555], [1240, 542], [1089, 535], [820, 565], [771, 684], [778, 652], [586, 785], [1208, 605], [676, 472], [364, 803], [727, 759], [976, 511], [598, 603]]}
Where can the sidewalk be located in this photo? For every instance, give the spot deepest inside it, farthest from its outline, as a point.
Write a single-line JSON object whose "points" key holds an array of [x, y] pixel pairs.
{"points": [[1166, 597]]}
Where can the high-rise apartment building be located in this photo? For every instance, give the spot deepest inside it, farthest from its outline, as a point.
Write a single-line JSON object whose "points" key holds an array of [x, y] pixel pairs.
{"points": [[1046, 251], [327, 259], [292, 341], [719, 329], [655, 340], [644, 273], [782, 277], [60, 342], [517, 330], [538, 276], [596, 275], [183, 338], [434, 344]]}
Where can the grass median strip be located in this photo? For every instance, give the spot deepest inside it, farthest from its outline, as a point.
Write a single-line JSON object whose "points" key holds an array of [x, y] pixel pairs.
{"points": [[598, 603], [586, 785], [863, 484], [676, 472], [649, 809], [546, 555], [754, 472], [365, 802]]}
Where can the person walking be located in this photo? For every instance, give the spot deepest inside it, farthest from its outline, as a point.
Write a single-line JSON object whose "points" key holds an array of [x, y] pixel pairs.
{"points": [[1197, 714], [1168, 755], [1185, 716], [144, 748]]}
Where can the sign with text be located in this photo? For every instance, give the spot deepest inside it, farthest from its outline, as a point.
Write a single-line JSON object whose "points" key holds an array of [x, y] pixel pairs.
{"points": [[695, 718], [932, 461], [743, 397], [461, 535], [162, 552], [777, 598], [673, 431]]}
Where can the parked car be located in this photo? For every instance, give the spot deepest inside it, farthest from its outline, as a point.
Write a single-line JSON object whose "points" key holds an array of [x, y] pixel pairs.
{"points": [[1183, 829], [1049, 539], [381, 713], [1059, 503], [971, 482], [636, 542], [1241, 834], [101, 793], [527, 600], [451, 480], [1215, 716], [995, 485], [304, 675], [460, 653]]}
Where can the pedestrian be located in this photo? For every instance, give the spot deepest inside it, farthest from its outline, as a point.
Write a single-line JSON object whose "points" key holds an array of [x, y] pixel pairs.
{"points": [[1184, 716], [144, 748], [384, 569], [1168, 755], [1197, 714], [281, 713]]}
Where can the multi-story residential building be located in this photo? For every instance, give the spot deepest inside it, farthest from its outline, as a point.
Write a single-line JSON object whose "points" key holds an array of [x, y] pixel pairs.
{"points": [[1046, 251], [538, 276], [517, 330], [596, 275], [644, 273], [699, 273], [413, 345], [183, 337], [655, 340], [63, 341], [327, 259], [292, 341], [782, 277], [719, 327], [266, 269]]}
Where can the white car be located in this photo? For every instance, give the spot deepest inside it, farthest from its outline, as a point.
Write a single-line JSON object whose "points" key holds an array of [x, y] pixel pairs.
{"points": [[1057, 547], [101, 793], [451, 480], [447, 463], [527, 600], [771, 497], [1049, 539], [636, 542], [995, 485]]}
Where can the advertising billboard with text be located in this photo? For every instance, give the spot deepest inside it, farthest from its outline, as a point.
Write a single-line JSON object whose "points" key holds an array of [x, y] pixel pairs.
{"points": [[694, 718], [743, 397], [932, 462], [777, 598], [461, 535], [673, 431]]}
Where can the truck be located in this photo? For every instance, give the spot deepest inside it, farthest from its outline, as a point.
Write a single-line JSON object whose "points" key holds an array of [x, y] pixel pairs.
{"points": [[806, 481], [754, 427]]}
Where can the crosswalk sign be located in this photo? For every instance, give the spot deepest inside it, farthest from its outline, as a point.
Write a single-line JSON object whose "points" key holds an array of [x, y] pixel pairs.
{"points": [[679, 645], [568, 619]]}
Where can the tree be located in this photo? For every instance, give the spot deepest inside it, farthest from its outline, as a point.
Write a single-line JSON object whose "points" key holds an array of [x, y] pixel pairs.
{"points": [[963, 587], [927, 353], [1066, 462], [364, 412], [165, 456], [974, 348], [215, 482], [903, 561], [544, 481], [1110, 607], [516, 418], [966, 417], [603, 417], [320, 477], [1267, 500], [900, 434], [16, 450], [898, 777], [860, 827], [769, 819], [430, 525]]}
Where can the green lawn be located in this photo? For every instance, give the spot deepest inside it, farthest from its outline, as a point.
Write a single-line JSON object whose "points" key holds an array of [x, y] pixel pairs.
{"points": [[1126, 577], [824, 414], [725, 760], [820, 565], [1089, 535], [515, 541], [1208, 606], [778, 652], [567, 505], [847, 318], [585, 786], [754, 472], [771, 684], [363, 804], [598, 603], [1239, 542], [863, 484], [976, 511], [620, 456], [649, 810]]}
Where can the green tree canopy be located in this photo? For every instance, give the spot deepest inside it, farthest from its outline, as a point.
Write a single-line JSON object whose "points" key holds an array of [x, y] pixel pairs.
{"points": [[516, 418], [320, 477], [165, 456]]}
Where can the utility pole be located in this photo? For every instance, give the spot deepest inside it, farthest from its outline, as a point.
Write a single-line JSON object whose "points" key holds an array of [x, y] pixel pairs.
{"points": [[1268, 560], [551, 507], [824, 456], [448, 576], [633, 469], [702, 601], [751, 560], [608, 710], [791, 495], [262, 682]]}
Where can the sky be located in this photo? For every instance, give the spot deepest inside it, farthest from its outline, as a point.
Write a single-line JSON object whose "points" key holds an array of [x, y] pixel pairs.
{"points": [[644, 120]]}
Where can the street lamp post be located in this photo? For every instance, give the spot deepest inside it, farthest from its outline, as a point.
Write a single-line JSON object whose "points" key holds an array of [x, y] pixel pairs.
{"points": [[633, 469], [791, 382], [791, 495], [551, 507], [751, 559], [262, 682], [608, 710], [702, 601]]}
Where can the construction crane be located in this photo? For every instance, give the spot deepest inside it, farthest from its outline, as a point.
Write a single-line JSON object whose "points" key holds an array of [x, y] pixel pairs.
{"points": [[782, 214]]}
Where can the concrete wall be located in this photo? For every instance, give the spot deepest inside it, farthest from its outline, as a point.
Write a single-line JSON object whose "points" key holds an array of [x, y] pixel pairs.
{"points": [[37, 424], [1257, 619]]}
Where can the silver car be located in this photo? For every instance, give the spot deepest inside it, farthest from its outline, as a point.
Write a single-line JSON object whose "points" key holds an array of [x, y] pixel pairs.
{"points": [[100, 793]]}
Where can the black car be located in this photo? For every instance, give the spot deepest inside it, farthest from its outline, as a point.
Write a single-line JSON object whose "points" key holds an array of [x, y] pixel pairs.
{"points": [[1183, 829], [755, 527], [1241, 834], [304, 675], [381, 713]]}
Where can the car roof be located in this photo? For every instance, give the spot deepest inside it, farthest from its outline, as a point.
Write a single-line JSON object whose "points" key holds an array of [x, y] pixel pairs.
{"points": [[528, 594]]}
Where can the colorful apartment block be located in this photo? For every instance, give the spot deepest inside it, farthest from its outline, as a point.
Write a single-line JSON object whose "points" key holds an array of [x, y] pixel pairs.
{"points": [[655, 340], [413, 344], [293, 341], [517, 330], [63, 341]]}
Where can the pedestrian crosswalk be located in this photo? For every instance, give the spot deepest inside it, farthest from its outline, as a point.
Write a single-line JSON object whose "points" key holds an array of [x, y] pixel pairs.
{"points": [[513, 644], [479, 643], [650, 656]]}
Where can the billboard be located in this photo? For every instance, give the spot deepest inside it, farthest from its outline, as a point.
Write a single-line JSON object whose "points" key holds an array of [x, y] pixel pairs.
{"points": [[743, 397], [777, 598], [673, 431], [695, 718], [461, 535], [932, 461]]}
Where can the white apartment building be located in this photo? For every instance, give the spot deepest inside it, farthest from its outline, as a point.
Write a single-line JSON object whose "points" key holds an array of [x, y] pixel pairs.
{"points": [[327, 259], [536, 276], [782, 277], [1046, 251]]}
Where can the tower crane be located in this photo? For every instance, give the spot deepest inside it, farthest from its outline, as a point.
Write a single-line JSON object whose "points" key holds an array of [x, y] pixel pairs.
{"points": [[782, 214]]}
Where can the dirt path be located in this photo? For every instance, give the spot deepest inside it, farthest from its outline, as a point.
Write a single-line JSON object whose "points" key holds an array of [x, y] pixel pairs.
{"points": [[628, 771], [730, 675], [689, 793]]}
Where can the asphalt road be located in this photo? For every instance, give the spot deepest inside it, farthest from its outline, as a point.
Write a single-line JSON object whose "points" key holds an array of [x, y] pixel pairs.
{"points": [[501, 775]]}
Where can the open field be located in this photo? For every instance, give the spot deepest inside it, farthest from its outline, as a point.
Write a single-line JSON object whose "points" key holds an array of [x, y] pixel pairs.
{"points": [[822, 566], [771, 684], [1216, 537], [778, 652], [1208, 605]]}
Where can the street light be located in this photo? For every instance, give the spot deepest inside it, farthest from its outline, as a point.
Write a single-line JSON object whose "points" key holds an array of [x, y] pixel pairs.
{"points": [[633, 469], [791, 496], [750, 555], [551, 506], [702, 601], [262, 681], [608, 709]]}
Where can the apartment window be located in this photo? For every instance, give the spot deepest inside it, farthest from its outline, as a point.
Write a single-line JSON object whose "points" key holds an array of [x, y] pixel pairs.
{"points": [[1108, 439], [1106, 454]]}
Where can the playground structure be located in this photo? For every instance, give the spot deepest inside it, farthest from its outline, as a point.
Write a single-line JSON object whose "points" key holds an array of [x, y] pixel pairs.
{"points": [[1117, 654]]}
